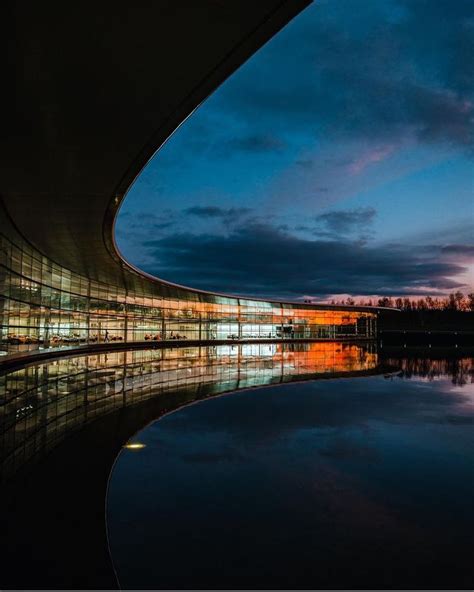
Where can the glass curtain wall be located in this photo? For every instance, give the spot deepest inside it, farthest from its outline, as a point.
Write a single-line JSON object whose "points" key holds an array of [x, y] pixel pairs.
{"points": [[43, 305]]}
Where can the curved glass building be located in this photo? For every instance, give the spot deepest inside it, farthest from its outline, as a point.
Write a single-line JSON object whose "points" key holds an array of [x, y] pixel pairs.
{"points": [[88, 111]]}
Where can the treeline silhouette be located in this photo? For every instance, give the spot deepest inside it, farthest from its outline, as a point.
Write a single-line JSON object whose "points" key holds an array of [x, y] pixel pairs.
{"points": [[456, 301], [452, 313]]}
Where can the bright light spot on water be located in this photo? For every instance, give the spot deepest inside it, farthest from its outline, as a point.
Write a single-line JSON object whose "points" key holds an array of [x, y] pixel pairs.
{"points": [[134, 446]]}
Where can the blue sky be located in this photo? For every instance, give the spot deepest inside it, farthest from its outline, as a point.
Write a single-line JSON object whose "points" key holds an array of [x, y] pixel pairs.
{"points": [[337, 160]]}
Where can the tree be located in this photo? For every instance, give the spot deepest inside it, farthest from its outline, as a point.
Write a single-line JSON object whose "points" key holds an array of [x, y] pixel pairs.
{"points": [[385, 301], [470, 301], [421, 304], [459, 298], [450, 303]]}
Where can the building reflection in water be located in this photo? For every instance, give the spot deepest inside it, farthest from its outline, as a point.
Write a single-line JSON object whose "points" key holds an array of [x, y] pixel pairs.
{"points": [[40, 404]]}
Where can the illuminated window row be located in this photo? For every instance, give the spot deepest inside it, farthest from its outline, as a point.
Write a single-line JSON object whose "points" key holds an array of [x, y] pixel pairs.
{"points": [[43, 305]]}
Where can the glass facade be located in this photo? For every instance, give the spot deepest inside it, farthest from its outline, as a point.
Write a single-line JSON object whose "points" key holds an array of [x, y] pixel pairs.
{"points": [[42, 403], [43, 305]]}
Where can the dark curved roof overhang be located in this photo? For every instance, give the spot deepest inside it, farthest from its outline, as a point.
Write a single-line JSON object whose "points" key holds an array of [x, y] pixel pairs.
{"points": [[94, 89]]}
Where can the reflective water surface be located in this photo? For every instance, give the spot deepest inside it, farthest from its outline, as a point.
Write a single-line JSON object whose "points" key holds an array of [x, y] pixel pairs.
{"points": [[351, 468], [43, 403], [359, 482]]}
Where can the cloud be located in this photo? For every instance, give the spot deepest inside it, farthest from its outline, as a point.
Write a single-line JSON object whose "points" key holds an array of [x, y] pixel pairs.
{"points": [[145, 222], [262, 260], [467, 250], [216, 212], [401, 70], [344, 222], [461, 254], [370, 157]]}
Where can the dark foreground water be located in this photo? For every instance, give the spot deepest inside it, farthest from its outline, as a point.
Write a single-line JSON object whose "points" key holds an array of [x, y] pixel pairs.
{"points": [[363, 482]]}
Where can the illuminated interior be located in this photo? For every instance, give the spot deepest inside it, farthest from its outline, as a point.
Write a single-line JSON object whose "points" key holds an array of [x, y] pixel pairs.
{"points": [[44, 305]]}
